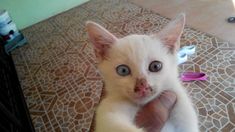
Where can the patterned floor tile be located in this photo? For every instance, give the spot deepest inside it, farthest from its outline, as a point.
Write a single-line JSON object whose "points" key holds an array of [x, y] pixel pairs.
{"points": [[61, 83]]}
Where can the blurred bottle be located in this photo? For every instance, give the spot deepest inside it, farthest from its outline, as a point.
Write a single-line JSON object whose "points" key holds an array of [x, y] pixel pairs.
{"points": [[8, 29]]}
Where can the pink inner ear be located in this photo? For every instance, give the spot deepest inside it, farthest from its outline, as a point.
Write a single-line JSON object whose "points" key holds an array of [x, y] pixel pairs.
{"points": [[170, 42], [170, 35], [101, 39], [101, 50], [102, 42]]}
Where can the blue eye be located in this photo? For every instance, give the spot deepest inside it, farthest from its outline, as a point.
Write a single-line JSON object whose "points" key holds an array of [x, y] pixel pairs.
{"points": [[155, 66], [123, 70]]}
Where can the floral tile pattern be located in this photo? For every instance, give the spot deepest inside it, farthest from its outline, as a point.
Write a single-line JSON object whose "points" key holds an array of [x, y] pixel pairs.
{"points": [[61, 83]]}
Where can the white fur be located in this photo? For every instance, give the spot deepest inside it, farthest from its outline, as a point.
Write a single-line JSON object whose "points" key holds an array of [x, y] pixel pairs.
{"points": [[116, 112]]}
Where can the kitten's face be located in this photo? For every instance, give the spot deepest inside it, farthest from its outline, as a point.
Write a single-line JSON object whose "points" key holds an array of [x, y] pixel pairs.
{"points": [[134, 60], [136, 66]]}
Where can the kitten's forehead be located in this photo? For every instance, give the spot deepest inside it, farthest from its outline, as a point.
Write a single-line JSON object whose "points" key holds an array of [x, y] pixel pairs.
{"points": [[139, 48]]}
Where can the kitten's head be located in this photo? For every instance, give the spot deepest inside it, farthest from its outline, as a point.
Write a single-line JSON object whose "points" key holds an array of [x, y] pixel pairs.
{"points": [[138, 67]]}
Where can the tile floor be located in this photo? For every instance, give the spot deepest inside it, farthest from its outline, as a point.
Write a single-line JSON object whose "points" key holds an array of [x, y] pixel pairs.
{"points": [[62, 86]]}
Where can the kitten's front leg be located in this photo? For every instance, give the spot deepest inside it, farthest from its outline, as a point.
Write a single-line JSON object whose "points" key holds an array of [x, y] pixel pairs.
{"points": [[183, 116], [116, 116], [114, 122]]}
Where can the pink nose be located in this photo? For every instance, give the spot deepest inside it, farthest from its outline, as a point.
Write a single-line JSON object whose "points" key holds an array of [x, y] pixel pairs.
{"points": [[141, 86]]}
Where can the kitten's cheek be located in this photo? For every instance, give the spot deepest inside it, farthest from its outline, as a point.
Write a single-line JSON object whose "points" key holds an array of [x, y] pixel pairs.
{"points": [[127, 92]]}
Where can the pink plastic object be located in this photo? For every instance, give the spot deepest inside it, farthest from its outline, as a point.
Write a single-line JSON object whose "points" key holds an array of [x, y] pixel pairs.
{"points": [[193, 76]]}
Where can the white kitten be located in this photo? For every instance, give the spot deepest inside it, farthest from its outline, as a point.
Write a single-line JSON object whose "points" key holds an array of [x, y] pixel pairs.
{"points": [[136, 69]]}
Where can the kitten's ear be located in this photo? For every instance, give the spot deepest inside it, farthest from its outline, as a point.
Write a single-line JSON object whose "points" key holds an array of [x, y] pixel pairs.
{"points": [[101, 39], [170, 35]]}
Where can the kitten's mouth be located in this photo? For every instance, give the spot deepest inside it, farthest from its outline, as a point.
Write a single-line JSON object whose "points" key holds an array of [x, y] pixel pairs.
{"points": [[142, 91], [142, 97], [143, 94]]}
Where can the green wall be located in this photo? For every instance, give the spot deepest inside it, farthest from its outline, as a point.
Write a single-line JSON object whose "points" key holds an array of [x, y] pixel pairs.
{"points": [[27, 12]]}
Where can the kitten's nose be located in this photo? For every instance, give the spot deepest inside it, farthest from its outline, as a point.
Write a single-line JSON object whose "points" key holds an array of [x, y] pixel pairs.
{"points": [[141, 86]]}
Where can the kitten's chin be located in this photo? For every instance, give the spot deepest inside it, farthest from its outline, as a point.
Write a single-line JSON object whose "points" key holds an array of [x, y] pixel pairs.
{"points": [[143, 100]]}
